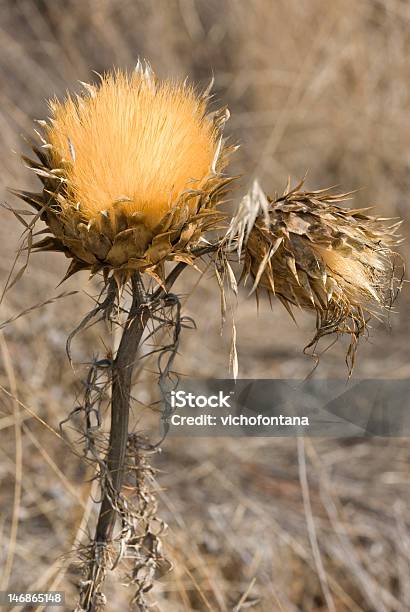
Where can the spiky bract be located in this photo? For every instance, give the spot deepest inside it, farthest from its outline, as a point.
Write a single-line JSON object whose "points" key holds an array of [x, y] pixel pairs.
{"points": [[312, 252], [132, 174]]}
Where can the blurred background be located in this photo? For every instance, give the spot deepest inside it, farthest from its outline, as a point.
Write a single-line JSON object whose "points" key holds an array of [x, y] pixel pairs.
{"points": [[267, 524]]}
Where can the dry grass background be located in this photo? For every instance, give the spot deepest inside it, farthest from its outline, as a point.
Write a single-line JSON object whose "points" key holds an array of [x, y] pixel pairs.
{"points": [[311, 85]]}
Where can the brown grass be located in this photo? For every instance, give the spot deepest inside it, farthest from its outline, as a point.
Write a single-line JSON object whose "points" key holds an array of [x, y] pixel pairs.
{"points": [[317, 86]]}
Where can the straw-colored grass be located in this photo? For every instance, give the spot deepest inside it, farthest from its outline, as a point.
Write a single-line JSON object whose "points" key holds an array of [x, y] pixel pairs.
{"points": [[316, 85]]}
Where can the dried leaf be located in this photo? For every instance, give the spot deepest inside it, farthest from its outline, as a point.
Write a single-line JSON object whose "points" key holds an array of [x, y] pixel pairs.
{"points": [[233, 355]]}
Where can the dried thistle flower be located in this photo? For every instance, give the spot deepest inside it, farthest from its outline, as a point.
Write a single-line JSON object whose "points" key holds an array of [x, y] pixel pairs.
{"points": [[311, 252], [132, 174]]}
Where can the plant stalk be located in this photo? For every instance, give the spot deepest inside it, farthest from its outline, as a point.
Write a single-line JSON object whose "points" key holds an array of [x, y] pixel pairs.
{"points": [[142, 307], [123, 367]]}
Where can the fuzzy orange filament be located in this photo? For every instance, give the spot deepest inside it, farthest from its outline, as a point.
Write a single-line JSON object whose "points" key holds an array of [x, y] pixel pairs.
{"points": [[132, 141]]}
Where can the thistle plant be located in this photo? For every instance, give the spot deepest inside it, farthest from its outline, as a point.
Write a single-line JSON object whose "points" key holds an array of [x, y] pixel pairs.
{"points": [[134, 172]]}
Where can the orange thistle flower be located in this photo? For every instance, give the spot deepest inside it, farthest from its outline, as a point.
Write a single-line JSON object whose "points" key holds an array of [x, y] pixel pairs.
{"points": [[132, 174]]}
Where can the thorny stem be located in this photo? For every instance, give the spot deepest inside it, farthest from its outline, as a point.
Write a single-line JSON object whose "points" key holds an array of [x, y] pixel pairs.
{"points": [[143, 304], [122, 371], [123, 368]]}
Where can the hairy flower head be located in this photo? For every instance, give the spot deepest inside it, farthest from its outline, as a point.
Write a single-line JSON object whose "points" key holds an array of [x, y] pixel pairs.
{"points": [[132, 173], [134, 142]]}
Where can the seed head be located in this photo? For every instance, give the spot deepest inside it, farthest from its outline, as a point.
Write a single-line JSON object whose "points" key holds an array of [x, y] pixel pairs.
{"points": [[313, 253]]}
